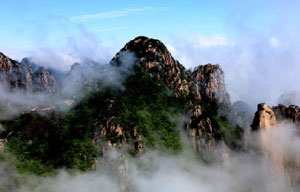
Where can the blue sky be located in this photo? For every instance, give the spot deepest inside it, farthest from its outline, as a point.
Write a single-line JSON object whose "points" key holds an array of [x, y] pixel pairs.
{"points": [[256, 42], [36, 23]]}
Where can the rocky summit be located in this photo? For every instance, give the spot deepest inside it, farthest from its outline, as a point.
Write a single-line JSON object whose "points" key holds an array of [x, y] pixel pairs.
{"points": [[205, 81], [22, 76]]}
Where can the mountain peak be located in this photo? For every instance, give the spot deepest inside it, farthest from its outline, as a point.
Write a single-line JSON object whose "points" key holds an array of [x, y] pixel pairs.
{"points": [[205, 81], [22, 76], [150, 50], [141, 45]]}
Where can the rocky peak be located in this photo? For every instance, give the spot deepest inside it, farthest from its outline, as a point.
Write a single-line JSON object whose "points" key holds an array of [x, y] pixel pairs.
{"points": [[12, 73], [267, 117], [151, 50], [205, 81], [6, 64], [264, 117], [25, 76], [210, 80], [153, 56]]}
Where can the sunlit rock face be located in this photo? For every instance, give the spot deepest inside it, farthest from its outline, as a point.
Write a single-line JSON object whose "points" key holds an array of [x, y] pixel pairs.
{"points": [[264, 118], [23, 76], [278, 133]]}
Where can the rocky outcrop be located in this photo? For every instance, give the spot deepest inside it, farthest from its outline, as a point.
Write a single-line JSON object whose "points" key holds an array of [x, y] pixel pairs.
{"points": [[291, 113], [14, 74], [209, 80], [24, 76], [267, 117], [264, 118]]}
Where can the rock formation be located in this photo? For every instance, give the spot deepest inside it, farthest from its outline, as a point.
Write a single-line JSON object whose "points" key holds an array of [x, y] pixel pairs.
{"points": [[209, 80], [23, 76], [264, 118], [267, 117]]}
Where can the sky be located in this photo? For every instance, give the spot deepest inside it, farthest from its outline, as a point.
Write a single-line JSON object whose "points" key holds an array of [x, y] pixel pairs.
{"points": [[34, 23], [255, 42]]}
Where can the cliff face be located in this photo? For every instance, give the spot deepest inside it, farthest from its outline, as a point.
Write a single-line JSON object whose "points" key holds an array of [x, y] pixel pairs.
{"points": [[23, 76], [209, 80]]}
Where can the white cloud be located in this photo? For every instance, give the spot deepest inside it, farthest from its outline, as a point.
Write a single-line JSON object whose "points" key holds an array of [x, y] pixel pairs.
{"points": [[107, 29], [274, 42], [192, 51], [258, 67], [108, 14], [213, 41], [16, 54]]}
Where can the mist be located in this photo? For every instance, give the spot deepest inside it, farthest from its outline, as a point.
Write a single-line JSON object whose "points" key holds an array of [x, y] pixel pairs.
{"points": [[185, 171], [71, 88], [261, 62]]}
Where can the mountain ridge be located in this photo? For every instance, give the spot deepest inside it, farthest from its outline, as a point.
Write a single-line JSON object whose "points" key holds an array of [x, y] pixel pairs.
{"points": [[156, 90]]}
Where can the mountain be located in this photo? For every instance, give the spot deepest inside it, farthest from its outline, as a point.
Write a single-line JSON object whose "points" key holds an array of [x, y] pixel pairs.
{"points": [[24, 76], [205, 81], [142, 110], [203, 88]]}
